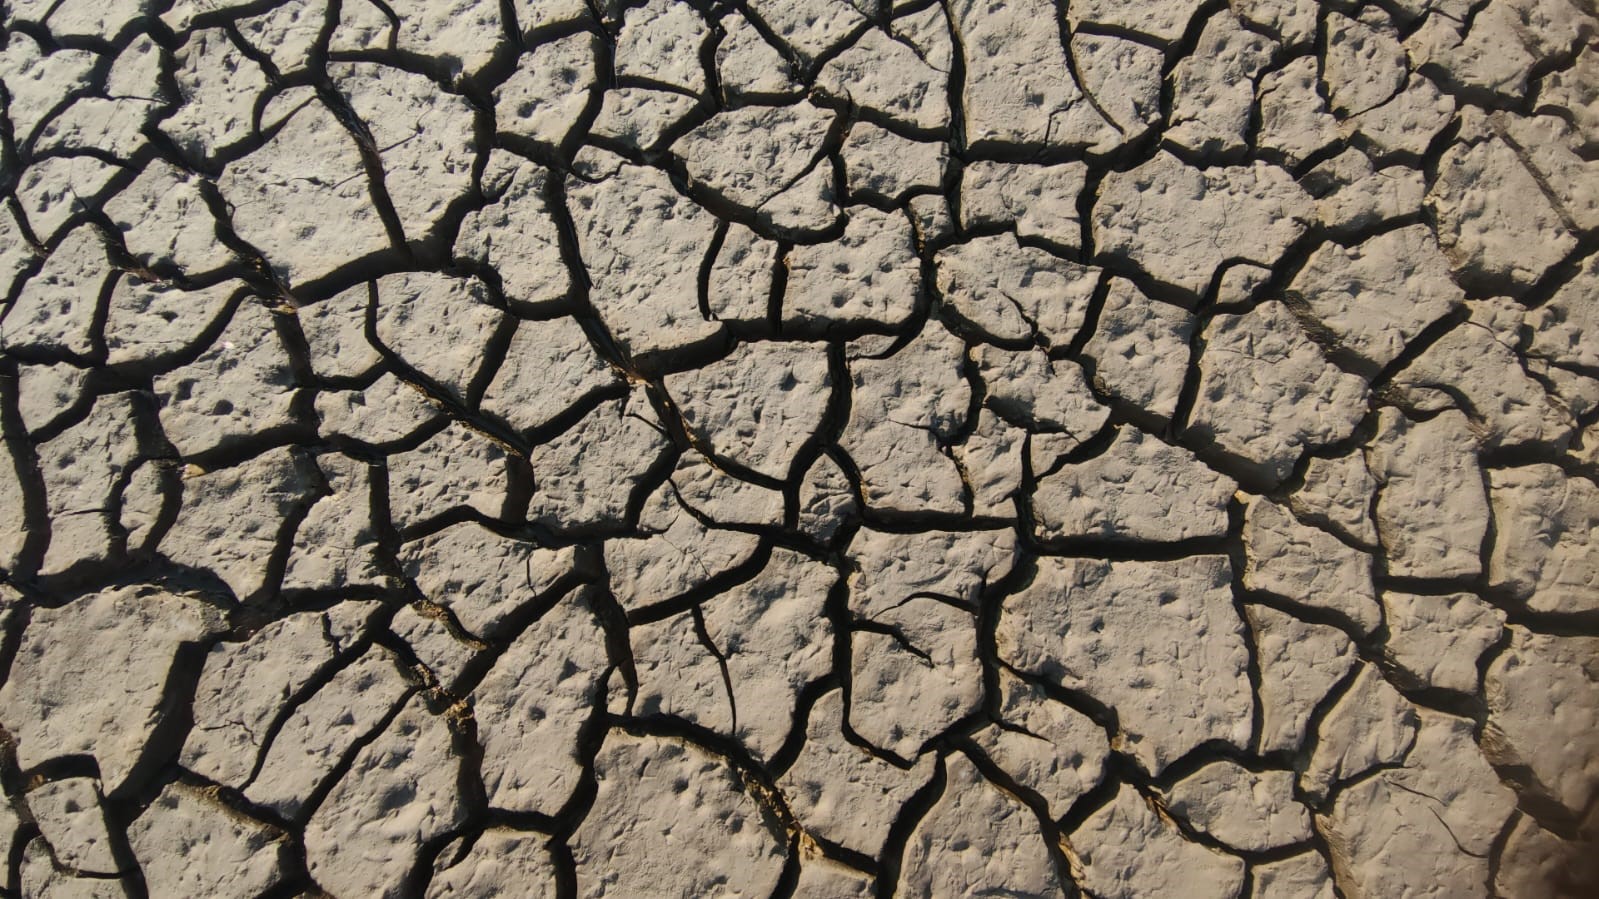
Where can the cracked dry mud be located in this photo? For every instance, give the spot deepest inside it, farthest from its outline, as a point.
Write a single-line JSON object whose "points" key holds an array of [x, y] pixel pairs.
{"points": [[813, 448]]}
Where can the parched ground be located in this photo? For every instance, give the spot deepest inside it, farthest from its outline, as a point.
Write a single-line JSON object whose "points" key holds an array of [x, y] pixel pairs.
{"points": [[799, 448]]}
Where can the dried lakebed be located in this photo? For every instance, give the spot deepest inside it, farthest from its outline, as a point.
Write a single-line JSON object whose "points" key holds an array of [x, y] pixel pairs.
{"points": [[799, 448]]}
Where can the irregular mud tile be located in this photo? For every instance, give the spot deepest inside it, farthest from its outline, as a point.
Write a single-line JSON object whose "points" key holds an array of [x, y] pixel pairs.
{"points": [[1180, 223], [1566, 328], [675, 553], [243, 384], [1351, 196], [777, 640], [55, 310], [82, 469], [869, 276], [1439, 639], [52, 191], [906, 689], [72, 821], [1378, 296], [243, 684], [639, 118], [1498, 48], [678, 675], [1543, 708], [880, 163], [758, 405], [1124, 78], [533, 705], [1044, 745], [439, 324], [303, 199], [1303, 876], [1040, 200], [1249, 810], [286, 32], [149, 323], [1019, 87], [1535, 862], [826, 500], [722, 497], [1363, 64], [660, 42], [445, 654], [1428, 827], [1495, 246], [1294, 120], [739, 285], [232, 518], [977, 840], [822, 878], [891, 80], [1476, 366], [500, 863], [809, 207], [10, 825], [1267, 394], [1015, 293], [1126, 849], [1307, 565], [315, 736], [401, 792], [1140, 350], [544, 98], [461, 35], [189, 844], [991, 465], [1165, 22], [1544, 526], [15, 530], [1138, 489], [841, 792], [1370, 726], [903, 411], [99, 125], [954, 566], [1431, 509], [1571, 89], [549, 368], [38, 78], [337, 544], [41, 879], [388, 411], [1125, 633], [747, 66], [482, 577], [587, 475], [517, 236], [424, 137], [46, 394], [748, 156], [811, 29], [1213, 90], [1403, 128], [89, 678], [533, 16], [458, 468], [335, 330], [164, 221], [642, 244], [670, 819], [1299, 664], [219, 89], [1043, 394]]}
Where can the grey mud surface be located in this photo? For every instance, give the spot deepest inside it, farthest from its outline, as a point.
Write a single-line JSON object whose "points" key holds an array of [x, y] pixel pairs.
{"points": [[799, 448]]}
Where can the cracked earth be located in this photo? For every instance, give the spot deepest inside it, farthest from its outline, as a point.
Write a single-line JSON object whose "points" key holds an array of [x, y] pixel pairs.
{"points": [[579, 448]]}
